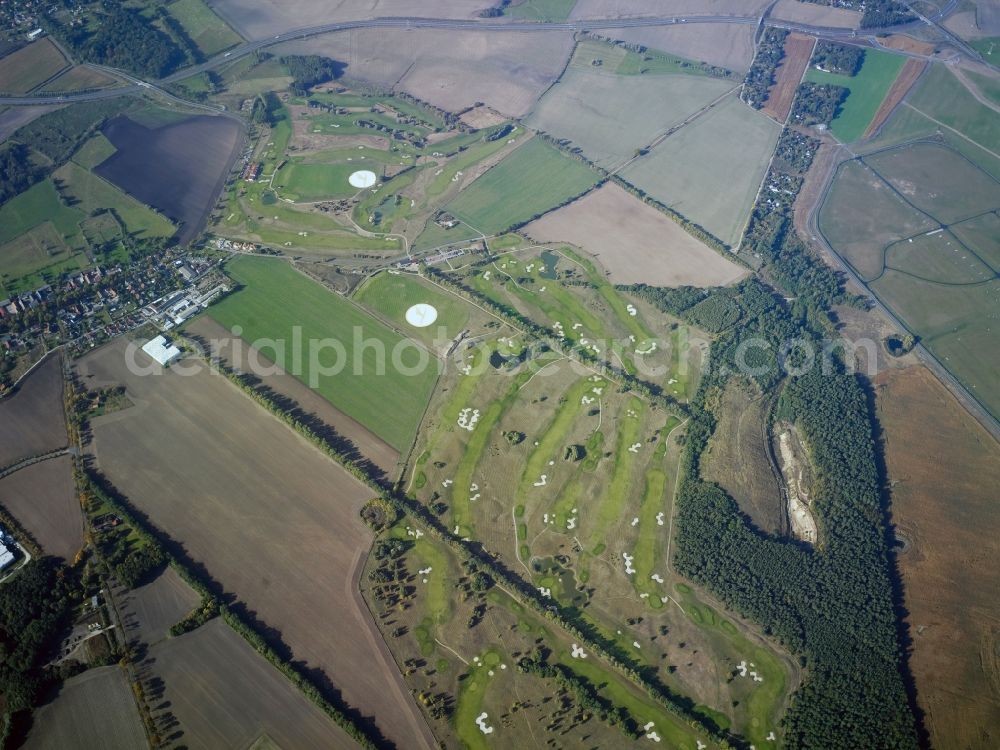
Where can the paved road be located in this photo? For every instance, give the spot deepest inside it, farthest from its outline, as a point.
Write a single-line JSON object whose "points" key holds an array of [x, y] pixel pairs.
{"points": [[136, 86]]}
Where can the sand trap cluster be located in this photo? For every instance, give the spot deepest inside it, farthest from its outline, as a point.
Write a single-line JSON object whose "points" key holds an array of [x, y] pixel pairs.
{"points": [[747, 670], [467, 418], [629, 570], [651, 732], [363, 178], [578, 652], [421, 315], [481, 723]]}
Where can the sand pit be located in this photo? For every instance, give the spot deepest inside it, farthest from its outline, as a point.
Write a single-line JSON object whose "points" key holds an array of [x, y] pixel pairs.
{"points": [[363, 178], [421, 315]]}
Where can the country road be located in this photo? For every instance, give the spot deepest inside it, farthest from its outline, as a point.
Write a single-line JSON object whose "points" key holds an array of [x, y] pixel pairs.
{"points": [[136, 86]]}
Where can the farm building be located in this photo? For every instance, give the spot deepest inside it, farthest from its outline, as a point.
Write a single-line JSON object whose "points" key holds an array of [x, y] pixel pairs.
{"points": [[161, 350]]}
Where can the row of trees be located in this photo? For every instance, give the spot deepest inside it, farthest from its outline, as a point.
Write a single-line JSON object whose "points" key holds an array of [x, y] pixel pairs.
{"points": [[760, 77]]}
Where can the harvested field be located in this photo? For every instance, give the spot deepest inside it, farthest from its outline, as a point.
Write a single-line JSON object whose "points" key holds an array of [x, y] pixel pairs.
{"points": [[944, 469], [585, 9], [737, 456], [788, 75], [32, 417], [815, 15], [284, 385], [635, 242], [42, 497], [295, 565], [726, 45], [177, 168], [79, 78], [586, 107], [209, 33], [909, 74], [258, 19], [507, 72], [30, 66], [223, 694], [705, 174], [95, 709], [149, 611]]}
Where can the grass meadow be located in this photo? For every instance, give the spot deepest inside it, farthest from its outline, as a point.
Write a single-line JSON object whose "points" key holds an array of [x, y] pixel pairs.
{"points": [[533, 180], [275, 298], [210, 33], [867, 89]]}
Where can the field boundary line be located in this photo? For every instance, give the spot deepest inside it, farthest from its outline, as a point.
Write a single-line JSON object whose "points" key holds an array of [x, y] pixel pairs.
{"points": [[959, 133]]}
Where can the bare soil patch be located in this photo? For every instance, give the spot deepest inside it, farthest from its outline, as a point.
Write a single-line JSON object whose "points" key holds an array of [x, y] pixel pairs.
{"points": [[634, 242], [271, 518], [816, 15], [788, 75], [288, 387], [149, 611], [728, 45], [907, 44], [481, 117], [909, 74], [223, 694], [92, 710], [42, 497], [943, 469], [737, 458], [32, 417]]}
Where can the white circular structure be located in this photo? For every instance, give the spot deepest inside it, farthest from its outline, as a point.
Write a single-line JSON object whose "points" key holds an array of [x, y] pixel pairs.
{"points": [[363, 178], [421, 315]]}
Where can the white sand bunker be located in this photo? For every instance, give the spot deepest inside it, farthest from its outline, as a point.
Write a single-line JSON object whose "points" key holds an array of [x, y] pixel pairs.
{"points": [[421, 315], [363, 178]]}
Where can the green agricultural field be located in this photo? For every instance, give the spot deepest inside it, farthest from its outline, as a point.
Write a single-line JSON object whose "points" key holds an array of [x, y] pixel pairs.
{"points": [[533, 180], [386, 393], [586, 105], [989, 48], [867, 90], [96, 194], [541, 10], [209, 32], [706, 174], [391, 294], [94, 151]]}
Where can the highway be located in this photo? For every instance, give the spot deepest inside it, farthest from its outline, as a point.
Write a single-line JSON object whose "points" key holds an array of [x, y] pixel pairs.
{"points": [[135, 86]]}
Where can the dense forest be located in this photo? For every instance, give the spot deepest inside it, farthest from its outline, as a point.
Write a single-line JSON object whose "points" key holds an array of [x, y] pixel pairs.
{"points": [[123, 39], [875, 13], [309, 70], [34, 608], [817, 103], [17, 171], [838, 58]]}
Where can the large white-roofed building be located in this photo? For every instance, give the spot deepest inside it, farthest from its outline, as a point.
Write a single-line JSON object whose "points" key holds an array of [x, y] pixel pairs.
{"points": [[161, 350]]}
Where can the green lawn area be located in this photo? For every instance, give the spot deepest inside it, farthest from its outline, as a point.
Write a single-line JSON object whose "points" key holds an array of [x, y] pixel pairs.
{"points": [[867, 89], [299, 181], [531, 181], [94, 151], [386, 393], [39, 204], [989, 48], [95, 194], [209, 32], [392, 294], [541, 10]]}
